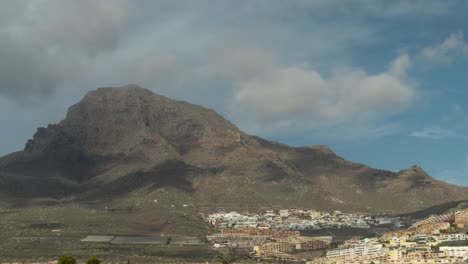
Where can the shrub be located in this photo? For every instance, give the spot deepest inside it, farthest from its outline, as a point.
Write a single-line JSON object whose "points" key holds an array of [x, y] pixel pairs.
{"points": [[333, 245], [225, 258], [370, 235], [93, 260], [66, 260]]}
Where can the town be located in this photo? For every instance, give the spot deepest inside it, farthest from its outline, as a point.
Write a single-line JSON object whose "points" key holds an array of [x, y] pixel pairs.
{"points": [[283, 235], [295, 219]]}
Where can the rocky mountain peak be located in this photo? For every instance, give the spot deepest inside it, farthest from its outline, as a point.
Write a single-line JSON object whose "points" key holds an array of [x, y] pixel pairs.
{"points": [[118, 120], [415, 169], [118, 140]]}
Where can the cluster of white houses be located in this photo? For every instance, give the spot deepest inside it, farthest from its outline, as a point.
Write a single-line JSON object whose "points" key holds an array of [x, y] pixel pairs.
{"points": [[294, 219], [437, 239], [375, 251]]}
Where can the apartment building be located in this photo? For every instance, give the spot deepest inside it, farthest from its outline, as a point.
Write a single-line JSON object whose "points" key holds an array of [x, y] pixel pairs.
{"points": [[362, 248], [459, 252], [278, 247], [311, 245]]}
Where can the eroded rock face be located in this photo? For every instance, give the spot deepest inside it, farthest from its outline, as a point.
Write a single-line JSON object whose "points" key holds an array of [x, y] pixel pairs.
{"points": [[121, 139]]}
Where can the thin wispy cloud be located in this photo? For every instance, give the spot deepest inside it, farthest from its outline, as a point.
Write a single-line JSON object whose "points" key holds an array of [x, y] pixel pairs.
{"points": [[433, 133], [453, 47]]}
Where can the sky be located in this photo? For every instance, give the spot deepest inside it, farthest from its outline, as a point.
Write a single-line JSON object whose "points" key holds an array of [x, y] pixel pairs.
{"points": [[382, 83]]}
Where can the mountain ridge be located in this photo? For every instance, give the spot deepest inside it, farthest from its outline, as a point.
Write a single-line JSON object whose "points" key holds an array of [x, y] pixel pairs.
{"points": [[121, 140]]}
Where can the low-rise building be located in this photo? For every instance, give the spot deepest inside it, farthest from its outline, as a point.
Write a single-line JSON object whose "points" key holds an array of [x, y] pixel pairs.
{"points": [[459, 252], [311, 245], [277, 247], [362, 248]]}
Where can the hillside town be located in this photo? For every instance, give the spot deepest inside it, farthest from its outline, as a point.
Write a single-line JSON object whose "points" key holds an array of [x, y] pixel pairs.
{"points": [[282, 235], [296, 219]]}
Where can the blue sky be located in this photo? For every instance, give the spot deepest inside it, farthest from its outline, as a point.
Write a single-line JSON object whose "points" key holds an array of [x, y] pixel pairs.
{"points": [[381, 82]]}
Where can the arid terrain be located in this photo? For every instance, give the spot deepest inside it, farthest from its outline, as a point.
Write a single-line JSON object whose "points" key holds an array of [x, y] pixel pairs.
{"points": [[126, 161]]}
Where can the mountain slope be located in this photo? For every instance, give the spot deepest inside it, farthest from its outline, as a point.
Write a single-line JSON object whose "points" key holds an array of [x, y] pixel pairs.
{"points": [[120, 141]]}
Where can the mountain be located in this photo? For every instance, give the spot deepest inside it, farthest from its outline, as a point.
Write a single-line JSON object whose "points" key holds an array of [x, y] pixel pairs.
{"points": [[127, 143]]}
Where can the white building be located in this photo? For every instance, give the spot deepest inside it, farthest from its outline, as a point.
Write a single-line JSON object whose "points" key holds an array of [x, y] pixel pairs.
{"points": [[360, 223], [455, 237], [284, 213], [458, 252], [363, 248]]}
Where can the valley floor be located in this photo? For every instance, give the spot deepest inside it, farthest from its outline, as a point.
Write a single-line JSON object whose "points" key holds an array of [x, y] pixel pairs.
{"points": [[38, 234]]}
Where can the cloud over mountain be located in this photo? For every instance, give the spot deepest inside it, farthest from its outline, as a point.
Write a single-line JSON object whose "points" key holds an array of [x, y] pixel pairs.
{"points": [[48, 44], [284, 93]]}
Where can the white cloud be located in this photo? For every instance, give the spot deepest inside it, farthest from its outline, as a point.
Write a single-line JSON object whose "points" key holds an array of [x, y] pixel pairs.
{"points": [[91, 26], [44, 44], [399, 67], [452, 47], [288, 94], [433, 133]]}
